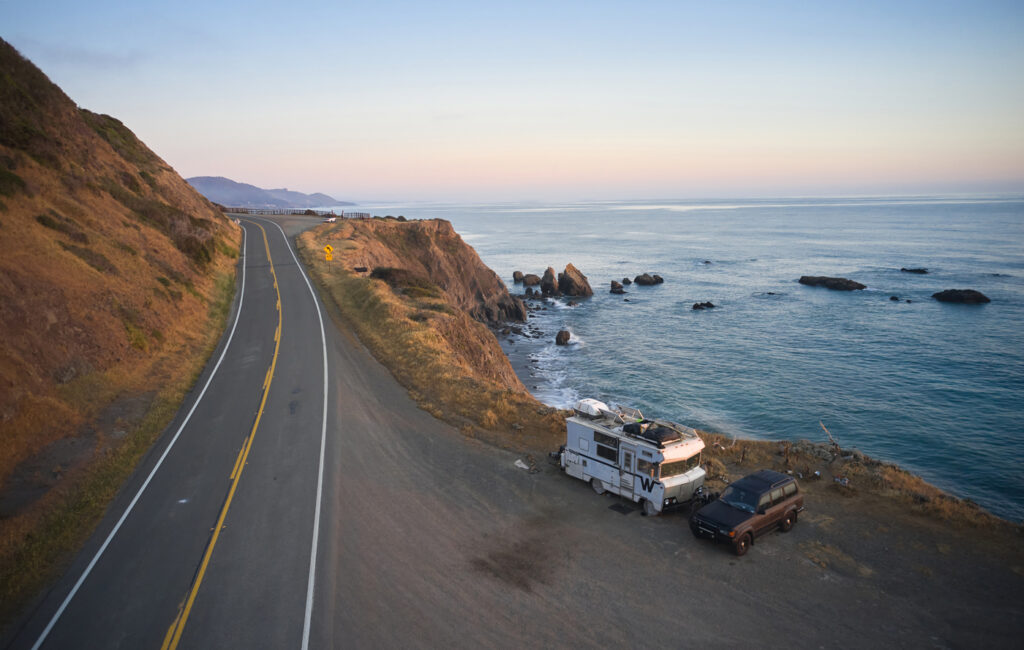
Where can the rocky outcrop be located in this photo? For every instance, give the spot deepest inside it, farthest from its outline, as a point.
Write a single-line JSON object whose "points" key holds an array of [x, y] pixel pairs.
{"points": [[431, 249], [572, 282], [962, 296], [919, 271], [562, 338], [517, 277], [549, 283], [531, 280], [627, 281], [646, 279], [836, 284], [617, 288]]}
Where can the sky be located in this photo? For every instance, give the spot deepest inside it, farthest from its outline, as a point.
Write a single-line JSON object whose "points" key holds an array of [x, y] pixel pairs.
{"points": [[553, 100]]}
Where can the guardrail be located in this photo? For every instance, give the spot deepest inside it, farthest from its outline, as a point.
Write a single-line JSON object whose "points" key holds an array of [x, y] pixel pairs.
{"points": [[309, 212]]}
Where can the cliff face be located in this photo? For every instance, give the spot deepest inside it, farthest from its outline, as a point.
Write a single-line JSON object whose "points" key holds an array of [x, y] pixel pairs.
{"points": [[107, 262], [432, 249], [434, 283]]}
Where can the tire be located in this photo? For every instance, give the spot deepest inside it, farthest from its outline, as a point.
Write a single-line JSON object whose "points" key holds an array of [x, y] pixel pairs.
{"points": [[695, 530], [787, 522], [649, 509], [742, 545], [597, 485]]}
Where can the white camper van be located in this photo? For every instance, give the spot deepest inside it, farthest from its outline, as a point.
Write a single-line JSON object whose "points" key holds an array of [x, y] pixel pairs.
{"points": [[653, 462]]}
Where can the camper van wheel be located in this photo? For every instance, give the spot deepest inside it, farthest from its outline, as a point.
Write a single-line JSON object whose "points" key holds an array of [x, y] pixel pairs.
{"points": [[649, 510], [597, 485]]}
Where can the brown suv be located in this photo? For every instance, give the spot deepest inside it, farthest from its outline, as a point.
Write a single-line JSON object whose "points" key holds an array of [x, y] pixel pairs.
{"points": [[748, 508]]}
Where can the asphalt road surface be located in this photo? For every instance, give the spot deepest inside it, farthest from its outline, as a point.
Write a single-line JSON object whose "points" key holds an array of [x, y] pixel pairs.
{"points": [[428, 539]]}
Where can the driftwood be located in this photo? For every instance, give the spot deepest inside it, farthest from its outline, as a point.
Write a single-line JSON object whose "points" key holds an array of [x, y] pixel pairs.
{"points": [[837, 449]]}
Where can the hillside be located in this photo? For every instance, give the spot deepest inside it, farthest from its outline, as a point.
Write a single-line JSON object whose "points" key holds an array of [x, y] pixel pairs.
{"points": [[115, 276], [422, 300], [242, 195]]}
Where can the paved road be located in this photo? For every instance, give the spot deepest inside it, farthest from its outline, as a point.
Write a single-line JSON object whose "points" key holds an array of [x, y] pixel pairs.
{"points": [[428, 539]]}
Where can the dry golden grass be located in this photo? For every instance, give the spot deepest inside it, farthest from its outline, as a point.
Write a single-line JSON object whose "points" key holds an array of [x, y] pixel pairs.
{"points": [[446, 360]]}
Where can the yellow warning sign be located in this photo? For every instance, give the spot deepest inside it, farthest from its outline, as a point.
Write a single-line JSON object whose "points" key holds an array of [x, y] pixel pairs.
{"points": [[328, 249], [328, 256]]}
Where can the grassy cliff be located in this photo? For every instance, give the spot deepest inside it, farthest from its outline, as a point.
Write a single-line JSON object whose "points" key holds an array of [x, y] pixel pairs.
{"points": [[115, 278]]}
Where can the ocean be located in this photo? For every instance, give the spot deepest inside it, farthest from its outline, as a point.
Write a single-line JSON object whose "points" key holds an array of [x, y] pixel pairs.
{"points": [[936, 388]]}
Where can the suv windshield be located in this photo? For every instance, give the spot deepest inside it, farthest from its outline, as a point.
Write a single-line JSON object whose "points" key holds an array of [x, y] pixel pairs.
{"points": [[740, 499]]}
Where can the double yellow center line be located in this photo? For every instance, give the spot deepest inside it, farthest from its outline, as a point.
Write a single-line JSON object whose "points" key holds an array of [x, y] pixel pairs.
{"points": [[174, 632]]}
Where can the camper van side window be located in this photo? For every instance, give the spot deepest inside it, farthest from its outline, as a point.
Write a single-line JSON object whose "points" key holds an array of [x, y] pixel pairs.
{"points": [[600, 438], [608, 453], [584, 444], [646, 468]]}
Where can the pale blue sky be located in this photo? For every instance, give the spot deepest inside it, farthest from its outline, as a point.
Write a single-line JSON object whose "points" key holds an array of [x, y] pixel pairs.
{"points": [[565, 100]]}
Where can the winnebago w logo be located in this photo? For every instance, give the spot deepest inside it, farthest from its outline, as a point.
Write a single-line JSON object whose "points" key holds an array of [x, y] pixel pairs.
{"points": [[647, 483]]}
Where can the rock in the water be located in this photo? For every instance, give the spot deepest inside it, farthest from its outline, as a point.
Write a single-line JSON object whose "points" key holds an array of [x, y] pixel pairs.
{"points": [[837, 284], [517, 277], [920, 271], [562, 338], [962, 296], [894, 298], [573, 283], [617, 288], [703, 305], [646, 279], [548, 284], [531, 280], [530, 293], [573, 303], [627, 281]]}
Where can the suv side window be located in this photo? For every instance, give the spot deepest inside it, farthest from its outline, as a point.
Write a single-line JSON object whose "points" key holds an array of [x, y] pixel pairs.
{"points": [[764, 501], [789, 489], [776, 496]]}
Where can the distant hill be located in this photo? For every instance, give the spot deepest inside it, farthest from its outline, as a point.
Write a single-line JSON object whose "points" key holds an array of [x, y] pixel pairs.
{"points": [[242, 195]]}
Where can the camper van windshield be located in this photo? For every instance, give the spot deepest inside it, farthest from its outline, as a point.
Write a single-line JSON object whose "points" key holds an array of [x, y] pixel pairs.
{"points": [[676, 467]]}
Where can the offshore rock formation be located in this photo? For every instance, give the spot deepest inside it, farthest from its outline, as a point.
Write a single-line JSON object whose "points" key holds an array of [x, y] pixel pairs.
{"points": [[836, 284], [572, 282], [962, 296]]}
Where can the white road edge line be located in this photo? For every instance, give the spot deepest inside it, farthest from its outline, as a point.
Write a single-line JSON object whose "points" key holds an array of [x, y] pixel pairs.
{"points": [[323, 440], [117, 526]]}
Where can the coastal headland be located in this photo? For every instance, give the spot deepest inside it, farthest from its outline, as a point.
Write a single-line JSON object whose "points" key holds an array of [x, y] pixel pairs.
{"points": [[410, 291]]}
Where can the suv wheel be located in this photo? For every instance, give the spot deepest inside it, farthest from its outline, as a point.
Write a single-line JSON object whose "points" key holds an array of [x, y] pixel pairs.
{"points": [[787, 522], [742, 544]]}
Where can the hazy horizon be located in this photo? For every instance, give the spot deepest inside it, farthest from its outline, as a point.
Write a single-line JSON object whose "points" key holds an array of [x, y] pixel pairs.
{"points": [[463, 101]]}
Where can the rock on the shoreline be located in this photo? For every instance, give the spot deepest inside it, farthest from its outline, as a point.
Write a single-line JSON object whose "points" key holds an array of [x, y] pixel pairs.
{"points": [[919, 271], [531, 280], [562, 338], [962, 296], [646, 279], [617, 288], [548, 283], [517, 277], [836, 284], [573, 283]]}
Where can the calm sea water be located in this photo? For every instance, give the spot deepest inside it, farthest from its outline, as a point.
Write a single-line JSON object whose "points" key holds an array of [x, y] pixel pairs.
{"points": [[935, 388]]}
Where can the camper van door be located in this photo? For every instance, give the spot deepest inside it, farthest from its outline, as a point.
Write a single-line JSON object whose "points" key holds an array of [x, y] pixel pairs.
{"points": [[626, 460]]}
